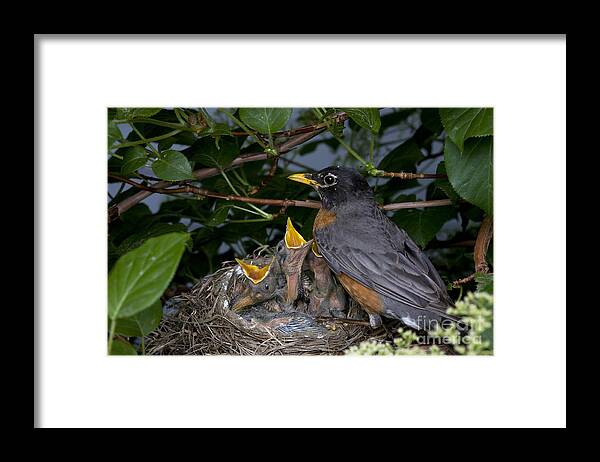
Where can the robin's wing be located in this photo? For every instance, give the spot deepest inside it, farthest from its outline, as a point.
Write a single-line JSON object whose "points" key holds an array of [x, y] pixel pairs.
{"points": [[375, 252]]}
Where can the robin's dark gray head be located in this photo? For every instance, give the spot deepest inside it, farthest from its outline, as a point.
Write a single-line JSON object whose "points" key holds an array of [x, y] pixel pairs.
{"points": [[336, 185]]}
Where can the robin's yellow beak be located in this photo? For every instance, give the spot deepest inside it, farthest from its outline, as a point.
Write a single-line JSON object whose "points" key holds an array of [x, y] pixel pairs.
{"points": [[293, 239], [305, 178], [255, 273]]}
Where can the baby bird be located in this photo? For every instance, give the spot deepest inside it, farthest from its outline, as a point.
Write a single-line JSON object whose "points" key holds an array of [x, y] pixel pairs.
{"points": [[290, 254], [328, 297], [258, 284], [293, 323]]}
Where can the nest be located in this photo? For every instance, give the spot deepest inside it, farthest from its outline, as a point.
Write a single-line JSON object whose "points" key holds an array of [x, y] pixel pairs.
{"points": [[200, 322]]}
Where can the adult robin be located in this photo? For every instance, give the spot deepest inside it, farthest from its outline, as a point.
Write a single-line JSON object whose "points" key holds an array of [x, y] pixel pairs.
{"points": [[257, 283], [378, 264]]}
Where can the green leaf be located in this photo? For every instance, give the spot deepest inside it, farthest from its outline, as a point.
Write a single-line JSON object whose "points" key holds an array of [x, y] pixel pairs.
{"points": [[136, 213], [145, 112], [157, 229], [172, 166], [216, 131], [218, 217], [140, 277], [366, 117], [444, 184], [265, 119], [423, 225], [114, 134], [402, 158], [114, 165], [134, 157], [219, 129], [471, 173], [121, 347], [206, 152], [485, 282], [130, 113], [185, 138], [141, 323], [125, 112], [464, 123]]}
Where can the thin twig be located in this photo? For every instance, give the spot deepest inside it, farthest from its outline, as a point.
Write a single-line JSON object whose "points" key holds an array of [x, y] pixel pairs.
{"points": [[411, 176], [417, 204], [460, 282], [260, 201], [228, 197], [268, 177], [342, 321]]}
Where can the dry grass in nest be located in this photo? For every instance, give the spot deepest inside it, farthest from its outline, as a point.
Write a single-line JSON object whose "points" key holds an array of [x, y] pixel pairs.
{"points": [[204, 325]]}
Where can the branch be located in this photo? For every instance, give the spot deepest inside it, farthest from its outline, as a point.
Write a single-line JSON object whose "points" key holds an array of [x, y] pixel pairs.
{"points": [[417, 204], [259, 201], [482, 243], [484, 236], [410, 176], [228, 197], [120, 208]]}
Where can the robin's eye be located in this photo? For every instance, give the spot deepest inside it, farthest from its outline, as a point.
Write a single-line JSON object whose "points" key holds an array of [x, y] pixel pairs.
{"points": [[266, 286], [330, 179]]}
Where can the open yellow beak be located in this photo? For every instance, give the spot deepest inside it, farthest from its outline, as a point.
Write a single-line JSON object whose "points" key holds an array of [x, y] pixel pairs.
{"points": [[253, 272], [305, 178], [293, 239]]}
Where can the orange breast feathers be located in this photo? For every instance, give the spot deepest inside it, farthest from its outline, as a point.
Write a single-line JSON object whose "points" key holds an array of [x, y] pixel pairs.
{"points": [[323, 219], [370, 300]]}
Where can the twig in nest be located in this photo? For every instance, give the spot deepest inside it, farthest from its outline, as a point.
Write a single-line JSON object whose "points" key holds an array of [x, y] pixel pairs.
{"points": [[343, 321]]}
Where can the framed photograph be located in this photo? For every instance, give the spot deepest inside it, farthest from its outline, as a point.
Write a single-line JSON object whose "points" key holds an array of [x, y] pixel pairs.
{"points": [[371, 226]]}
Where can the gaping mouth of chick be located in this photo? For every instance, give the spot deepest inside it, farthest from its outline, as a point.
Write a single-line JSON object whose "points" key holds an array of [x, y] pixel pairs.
{"points": [[293, 239], [255, 273], [293, 268]]}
